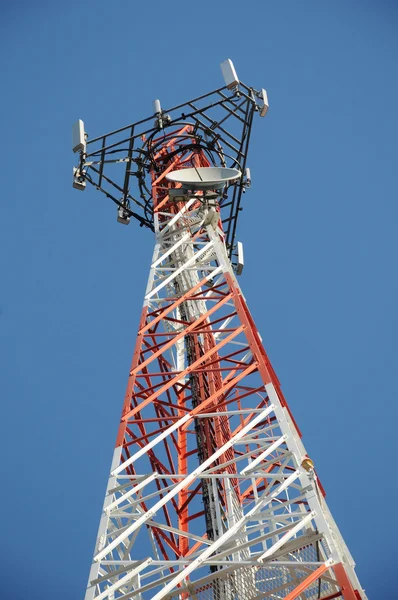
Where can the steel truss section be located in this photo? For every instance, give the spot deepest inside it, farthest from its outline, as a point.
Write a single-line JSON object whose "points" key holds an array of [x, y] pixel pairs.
{"points": [[211, 494], [217, 125]]}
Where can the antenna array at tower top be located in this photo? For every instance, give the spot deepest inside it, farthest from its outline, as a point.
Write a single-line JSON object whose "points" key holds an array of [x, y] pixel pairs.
{"points": [[217, 123]]}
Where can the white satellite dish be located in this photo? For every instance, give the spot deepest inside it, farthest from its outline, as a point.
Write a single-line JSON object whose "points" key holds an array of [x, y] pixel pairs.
{"points": [[203, 178]]}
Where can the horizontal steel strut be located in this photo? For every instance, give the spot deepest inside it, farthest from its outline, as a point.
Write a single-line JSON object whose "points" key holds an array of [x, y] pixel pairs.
{"points": [[211, 494]]}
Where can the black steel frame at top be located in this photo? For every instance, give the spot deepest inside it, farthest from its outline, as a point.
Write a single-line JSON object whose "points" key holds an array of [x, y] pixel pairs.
{"points": [[221, 123]]}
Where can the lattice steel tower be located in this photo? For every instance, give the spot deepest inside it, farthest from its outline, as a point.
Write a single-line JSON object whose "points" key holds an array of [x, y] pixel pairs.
{"points": [[211, 494]]}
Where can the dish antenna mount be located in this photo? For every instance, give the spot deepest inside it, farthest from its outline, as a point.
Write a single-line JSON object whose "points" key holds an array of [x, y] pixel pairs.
{"points": [[204, 178]]}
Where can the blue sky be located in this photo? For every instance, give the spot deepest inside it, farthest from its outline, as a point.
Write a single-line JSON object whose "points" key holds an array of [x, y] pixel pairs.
{"points": [[319, 227]]}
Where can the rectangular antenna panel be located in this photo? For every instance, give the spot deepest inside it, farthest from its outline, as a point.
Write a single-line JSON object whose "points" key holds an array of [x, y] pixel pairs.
{"points": [[241, 262], [265, 106], [229, 74], [78, 136]]}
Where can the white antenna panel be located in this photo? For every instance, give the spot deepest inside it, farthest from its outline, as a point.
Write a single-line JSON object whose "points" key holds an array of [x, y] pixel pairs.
{"points": [[229, 74], [157, 107], [264, 106], [241, 261], [78, 136]]}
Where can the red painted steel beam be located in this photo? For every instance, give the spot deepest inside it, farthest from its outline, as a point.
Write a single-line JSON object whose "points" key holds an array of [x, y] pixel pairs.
{"points": [[347, 590], [307, 582]]}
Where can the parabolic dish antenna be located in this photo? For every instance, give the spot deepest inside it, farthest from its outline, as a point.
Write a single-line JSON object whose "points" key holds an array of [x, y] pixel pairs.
{"points": [[203, 178]]}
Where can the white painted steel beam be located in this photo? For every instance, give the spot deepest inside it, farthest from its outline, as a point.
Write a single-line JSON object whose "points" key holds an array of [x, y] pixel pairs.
{"points": [[131, 492], [178, 271], [185, 483], [286, 537], [124, 580], [221, 540], [264, 455]]}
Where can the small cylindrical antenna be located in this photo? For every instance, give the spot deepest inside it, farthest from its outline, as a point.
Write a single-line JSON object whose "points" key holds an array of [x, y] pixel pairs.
{"points": [[157, 109]]}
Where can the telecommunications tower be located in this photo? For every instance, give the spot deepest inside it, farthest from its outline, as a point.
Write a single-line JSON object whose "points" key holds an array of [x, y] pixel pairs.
{"points": [[211, 494]]}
